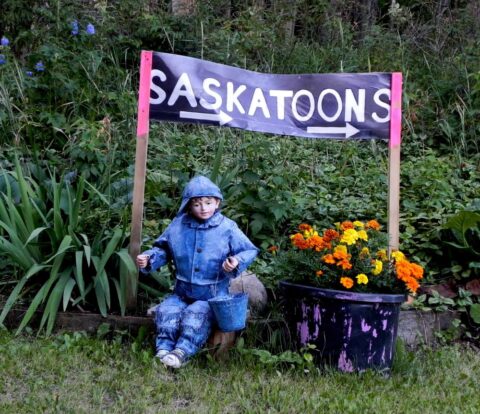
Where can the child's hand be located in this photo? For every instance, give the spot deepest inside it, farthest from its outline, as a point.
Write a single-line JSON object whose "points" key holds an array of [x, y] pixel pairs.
{"points": [[142, 260], [230, 264]]}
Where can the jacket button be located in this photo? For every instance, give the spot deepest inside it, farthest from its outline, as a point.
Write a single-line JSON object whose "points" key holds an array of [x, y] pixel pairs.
{"points": [[197, 269], [199, 250]]}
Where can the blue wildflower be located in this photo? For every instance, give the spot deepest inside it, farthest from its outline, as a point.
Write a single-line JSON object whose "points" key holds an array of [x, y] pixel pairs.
{"points": [[29, 73], [74, 26], [39, 66], [4, 41], [3, 60], [90, 29]]}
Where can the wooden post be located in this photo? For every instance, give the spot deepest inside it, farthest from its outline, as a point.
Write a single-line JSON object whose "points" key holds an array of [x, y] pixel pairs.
{"points": [[143, 118], [394, 162]]}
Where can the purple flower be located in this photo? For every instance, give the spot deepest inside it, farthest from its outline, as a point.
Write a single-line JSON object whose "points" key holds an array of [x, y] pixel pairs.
{"points": [[74, 26], [90, 29], [2, 60], [4, 41], [39, 66], [29, 73]]}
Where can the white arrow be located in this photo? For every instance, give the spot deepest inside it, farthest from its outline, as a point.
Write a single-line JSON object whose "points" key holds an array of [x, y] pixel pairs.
{"points": [[221, 117], [348, 130]]}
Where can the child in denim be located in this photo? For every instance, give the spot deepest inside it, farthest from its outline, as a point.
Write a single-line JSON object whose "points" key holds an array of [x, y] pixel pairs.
{"points": [[207, 250]]}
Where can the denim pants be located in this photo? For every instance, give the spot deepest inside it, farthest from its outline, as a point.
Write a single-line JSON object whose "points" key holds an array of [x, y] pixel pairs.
{"points": [[184, 319]]}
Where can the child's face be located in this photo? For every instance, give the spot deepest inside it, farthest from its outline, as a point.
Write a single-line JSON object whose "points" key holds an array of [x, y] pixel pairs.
{"points": [[203, 208]]}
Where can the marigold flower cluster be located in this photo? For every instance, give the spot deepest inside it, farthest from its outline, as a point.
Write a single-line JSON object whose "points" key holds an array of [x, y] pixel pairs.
{"points": [[352, 256]]}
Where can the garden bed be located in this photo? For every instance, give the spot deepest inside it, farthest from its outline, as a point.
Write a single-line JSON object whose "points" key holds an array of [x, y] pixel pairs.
{"points": [[415, 327]]}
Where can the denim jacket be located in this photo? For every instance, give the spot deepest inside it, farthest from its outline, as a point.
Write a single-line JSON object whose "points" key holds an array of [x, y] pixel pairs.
{"points": [[198, 248]]}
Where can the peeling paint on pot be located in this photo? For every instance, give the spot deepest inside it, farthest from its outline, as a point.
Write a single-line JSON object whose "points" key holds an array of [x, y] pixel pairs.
{"points": [[348, 331]]}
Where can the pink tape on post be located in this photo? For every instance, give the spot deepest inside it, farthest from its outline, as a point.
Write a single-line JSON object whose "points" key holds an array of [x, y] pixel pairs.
{"points": [[143, 114], [396, 110]]}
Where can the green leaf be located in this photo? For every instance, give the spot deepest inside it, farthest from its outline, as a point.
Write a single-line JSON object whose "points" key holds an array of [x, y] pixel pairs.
{"points": [[12, 298], [54, 300], [67, 292], [35, 233], [79, 272], [35, 269], [32, 308], [475, 312]]}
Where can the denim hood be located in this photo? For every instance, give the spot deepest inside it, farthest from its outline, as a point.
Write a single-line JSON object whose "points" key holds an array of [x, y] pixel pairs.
{"points": [[198, 187]]}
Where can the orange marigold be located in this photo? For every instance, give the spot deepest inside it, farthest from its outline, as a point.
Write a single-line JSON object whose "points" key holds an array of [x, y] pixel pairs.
{"points": [[403, 270], [344, 264], [330, 234], [341, 255], [272, 249], [373, 224], [299, 241], [329, 259], [305, 227], [346, 282], [412, 284], [316, 242], [346, 225], [417, 270], [319, 273]]}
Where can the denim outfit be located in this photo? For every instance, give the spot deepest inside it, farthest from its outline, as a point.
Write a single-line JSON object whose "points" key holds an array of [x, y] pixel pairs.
{"points": [[197, 249]]}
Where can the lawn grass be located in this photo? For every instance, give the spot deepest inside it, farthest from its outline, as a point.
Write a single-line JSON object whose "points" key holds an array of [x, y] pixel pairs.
{"points": [[76, 374]]}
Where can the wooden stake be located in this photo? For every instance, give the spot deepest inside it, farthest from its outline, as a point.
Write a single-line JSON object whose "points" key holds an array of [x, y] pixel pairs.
{"points": [[143, 116], [394, 162]]}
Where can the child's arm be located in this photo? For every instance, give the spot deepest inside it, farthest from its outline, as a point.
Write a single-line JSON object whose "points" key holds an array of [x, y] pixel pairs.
{"points": [[158, 255], [242, 249]]}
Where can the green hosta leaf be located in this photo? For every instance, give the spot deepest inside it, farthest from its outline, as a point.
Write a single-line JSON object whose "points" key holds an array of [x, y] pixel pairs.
{"points": [[475, 312], [461, 223]]}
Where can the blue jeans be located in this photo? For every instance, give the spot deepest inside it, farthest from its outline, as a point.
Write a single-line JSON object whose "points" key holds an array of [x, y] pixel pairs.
{"points": [[184, 320]]}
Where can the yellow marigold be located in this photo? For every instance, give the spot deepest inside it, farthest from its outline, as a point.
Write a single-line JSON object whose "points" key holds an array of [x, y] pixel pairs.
{"points": [[373, 224], [350, 236], [346, 225], [329, 259], [346, 282], [398, 255], [319, 273], [377, 267], [362, 235], [382, 255], [359, 224], [310, 233], [365, 252], [362, 279]]}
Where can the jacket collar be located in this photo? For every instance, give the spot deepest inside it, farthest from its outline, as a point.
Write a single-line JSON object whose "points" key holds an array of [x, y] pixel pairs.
{"points": [[213, 221]]}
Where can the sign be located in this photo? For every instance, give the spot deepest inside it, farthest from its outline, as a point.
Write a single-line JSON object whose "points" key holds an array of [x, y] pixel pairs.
{"points": [[185, 89], [339, 106]]}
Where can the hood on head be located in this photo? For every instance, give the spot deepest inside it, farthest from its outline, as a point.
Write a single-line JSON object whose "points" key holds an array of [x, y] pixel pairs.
{"points": [[199, 186]]}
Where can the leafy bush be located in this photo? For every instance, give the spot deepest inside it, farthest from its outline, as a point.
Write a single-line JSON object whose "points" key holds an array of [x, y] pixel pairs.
{"points": [[41, 234]]}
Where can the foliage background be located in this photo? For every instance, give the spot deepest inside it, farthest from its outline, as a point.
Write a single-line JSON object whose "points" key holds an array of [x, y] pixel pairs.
{"points": [[78, 116]]}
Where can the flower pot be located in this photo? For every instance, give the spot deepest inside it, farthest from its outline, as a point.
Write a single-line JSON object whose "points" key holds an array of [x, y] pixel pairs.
{"points": [[350, 331]]}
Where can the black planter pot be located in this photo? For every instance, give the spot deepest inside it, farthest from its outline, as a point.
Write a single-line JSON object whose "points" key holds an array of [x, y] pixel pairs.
{"points": [[350, 331]]}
